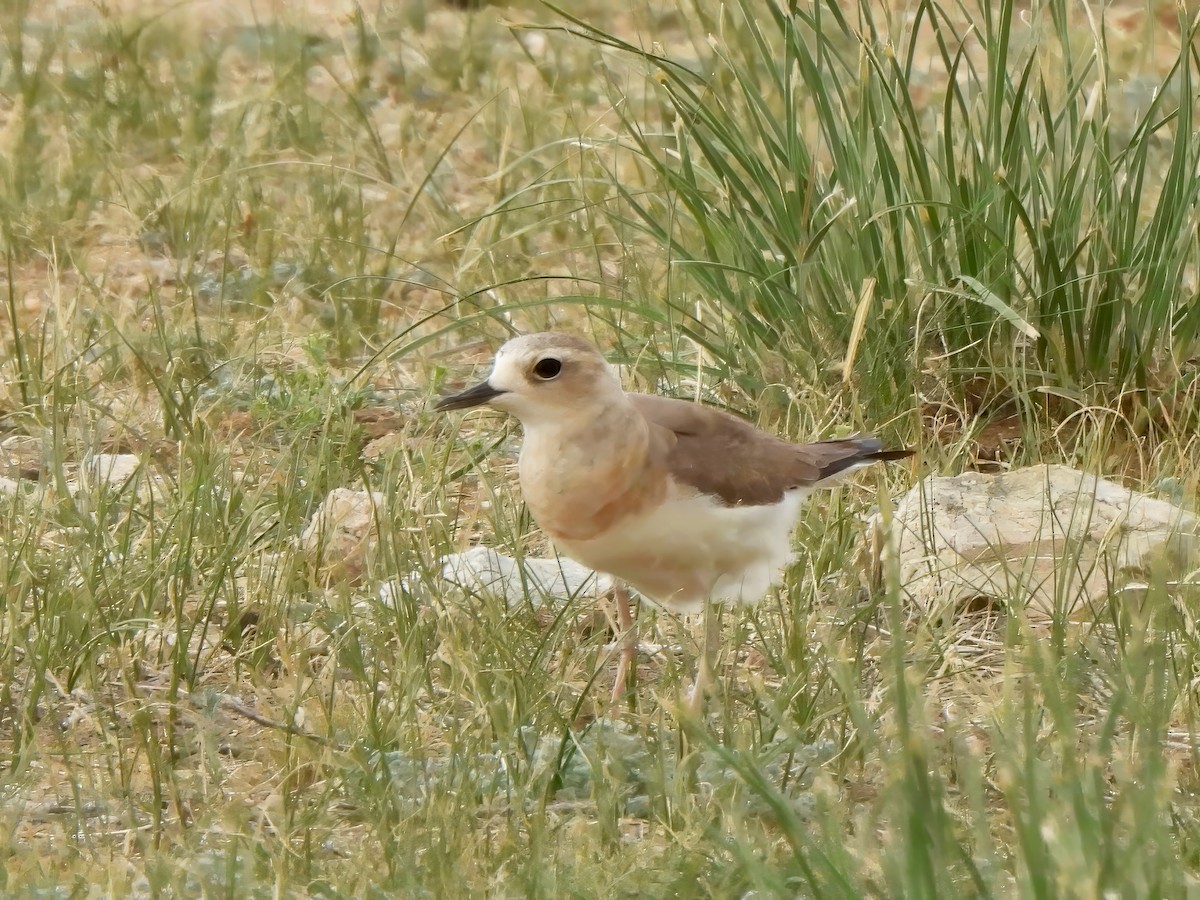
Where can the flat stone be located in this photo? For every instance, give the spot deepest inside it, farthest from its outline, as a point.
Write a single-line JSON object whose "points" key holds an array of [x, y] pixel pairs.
{"points": [[1051, 538], [538, 582], [343, 531], [112, 470]]}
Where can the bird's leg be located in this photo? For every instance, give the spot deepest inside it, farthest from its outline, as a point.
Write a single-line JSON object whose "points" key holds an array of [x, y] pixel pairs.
{"points": [[629, 641], [706, 670]]}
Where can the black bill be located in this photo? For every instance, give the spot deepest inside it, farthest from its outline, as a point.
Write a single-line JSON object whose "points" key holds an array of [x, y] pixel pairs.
{"points": [[474, 396]]}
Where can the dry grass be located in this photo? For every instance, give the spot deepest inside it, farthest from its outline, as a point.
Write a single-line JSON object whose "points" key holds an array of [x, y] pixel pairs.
{"points": [[248, 243]]}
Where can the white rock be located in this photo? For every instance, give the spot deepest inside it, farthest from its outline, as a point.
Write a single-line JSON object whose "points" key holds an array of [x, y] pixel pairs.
{"points": [[343, 513], [343, 530], [121, 473], [112, 470], [538, 582], [535, 44], [1050, 537]]}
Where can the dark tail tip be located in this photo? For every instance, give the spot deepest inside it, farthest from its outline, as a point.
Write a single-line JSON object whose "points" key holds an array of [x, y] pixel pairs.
{"points": [[863, 450]]}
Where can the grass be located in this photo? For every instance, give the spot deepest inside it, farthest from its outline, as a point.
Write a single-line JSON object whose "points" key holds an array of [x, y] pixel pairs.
{"points": [[249, 251]]}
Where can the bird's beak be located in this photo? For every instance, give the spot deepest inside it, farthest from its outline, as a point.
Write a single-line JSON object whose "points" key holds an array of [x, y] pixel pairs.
{"points": [[475, 396]]}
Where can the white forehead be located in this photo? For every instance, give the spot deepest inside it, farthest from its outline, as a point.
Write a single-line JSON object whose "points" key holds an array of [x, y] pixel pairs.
{"points": [[528, 348], [516, 356], [547, 343]]}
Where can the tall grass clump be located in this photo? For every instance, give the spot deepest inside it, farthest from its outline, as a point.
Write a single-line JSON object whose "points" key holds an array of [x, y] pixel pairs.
{"points": [[981, 190]]}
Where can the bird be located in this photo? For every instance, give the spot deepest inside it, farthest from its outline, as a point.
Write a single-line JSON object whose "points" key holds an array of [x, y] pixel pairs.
{"points": [[688, 505]]}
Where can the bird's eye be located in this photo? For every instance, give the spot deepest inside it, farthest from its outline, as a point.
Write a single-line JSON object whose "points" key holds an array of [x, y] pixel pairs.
{"points": [[547, 368]]}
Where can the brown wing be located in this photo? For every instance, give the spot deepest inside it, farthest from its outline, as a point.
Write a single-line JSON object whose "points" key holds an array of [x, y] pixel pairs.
{"points": [[725, 456]]}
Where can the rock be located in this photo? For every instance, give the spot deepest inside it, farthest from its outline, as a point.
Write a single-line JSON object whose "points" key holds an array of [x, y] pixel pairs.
{"points": [[112, 470], [482, 570], [23, 455], [114, 474], [1048, 537], [343, 531]]}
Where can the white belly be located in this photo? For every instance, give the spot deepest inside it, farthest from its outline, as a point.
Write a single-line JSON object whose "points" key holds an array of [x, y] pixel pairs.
{"points": [[692, 549]]}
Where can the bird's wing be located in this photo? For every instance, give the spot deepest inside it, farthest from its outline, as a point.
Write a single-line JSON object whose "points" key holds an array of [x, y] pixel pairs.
{"points": [[726, 457]]}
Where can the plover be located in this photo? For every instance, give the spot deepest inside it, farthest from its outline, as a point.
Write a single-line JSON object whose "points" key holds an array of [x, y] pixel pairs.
{"points": [[686, 504]]}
